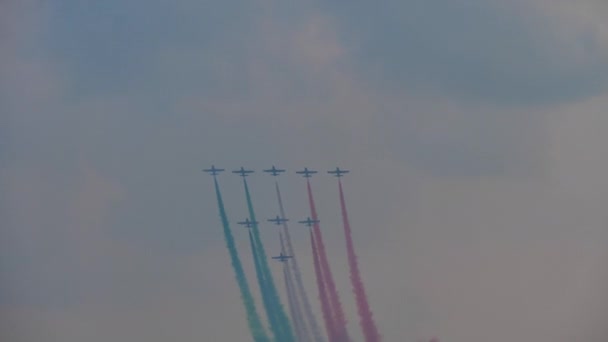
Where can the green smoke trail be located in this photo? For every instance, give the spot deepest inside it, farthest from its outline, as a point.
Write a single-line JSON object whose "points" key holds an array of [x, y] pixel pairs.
{"points": [[275, 326], [272, 290], [253, 319]]}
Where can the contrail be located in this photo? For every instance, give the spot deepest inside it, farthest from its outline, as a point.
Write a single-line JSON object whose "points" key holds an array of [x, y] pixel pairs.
{"points": [[312, 321], [282, 319], [339, 319], [272, 319], [294, 304], [253, 319], [323, 298], [370, 331]]}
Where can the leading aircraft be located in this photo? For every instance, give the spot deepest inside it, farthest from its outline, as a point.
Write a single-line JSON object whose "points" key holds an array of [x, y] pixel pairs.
{"points": [[282, 257], [242, 172], [247, 223], [274, 171], [213, 170], [278, 220], [309, 222], [306, 172], [338, 173]]}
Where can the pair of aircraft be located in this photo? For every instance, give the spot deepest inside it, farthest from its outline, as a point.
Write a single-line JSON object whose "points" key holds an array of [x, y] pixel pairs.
{"points": [[277, 220], [306, 173]]}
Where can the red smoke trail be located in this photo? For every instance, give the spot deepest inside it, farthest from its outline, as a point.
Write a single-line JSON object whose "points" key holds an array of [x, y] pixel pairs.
{"points": [[325, 305], [339, 320], [370, 331]]}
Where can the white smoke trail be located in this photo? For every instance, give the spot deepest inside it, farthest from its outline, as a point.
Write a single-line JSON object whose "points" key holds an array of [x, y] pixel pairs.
{"points": [[310, 318], [294, 305]]}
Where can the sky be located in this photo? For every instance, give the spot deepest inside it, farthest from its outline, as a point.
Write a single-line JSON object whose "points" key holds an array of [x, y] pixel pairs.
{"points": [[474, 131]]}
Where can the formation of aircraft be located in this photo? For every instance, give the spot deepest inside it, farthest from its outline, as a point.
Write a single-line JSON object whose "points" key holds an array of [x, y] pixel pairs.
{"points": [[274, 171], [247, 223], [278, 220], [306, 173], [309, 222], [282, 257]]}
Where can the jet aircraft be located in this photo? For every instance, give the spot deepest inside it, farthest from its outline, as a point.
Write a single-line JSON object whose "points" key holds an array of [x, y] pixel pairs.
{"points": [[308, 222], [242, 172], [306, 172], [278, 220], [213, 170], [282, 257], [274, 171], [247, 223], [338, 173]]}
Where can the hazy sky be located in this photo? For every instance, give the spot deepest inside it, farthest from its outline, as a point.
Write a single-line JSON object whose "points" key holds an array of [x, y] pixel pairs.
{"points": [[475, 132]]}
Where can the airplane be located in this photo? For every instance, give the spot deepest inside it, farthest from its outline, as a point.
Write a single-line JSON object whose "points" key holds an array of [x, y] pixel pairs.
{"points": [[282, 257], [213, 170], [309, 222], [338, 173], [274, 171], [278, 220], [242, 172], [306, 172], [247, 223]]}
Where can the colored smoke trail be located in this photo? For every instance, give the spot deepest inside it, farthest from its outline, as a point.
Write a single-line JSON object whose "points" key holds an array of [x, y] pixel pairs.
{"points": [[339, 319], [294, 304], [287, 332], [299, 284], [323, 298], [370, 331], [272, 319], [297, 323], [253, 319]]}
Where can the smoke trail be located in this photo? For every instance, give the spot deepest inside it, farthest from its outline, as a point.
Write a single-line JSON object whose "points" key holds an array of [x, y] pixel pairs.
{"points": [[325, 305], [370, 331], [253, 319], [272, 319], [282, 319], [294, 304], [340, 321], [290, 301], [303, 333], [312, 321]]}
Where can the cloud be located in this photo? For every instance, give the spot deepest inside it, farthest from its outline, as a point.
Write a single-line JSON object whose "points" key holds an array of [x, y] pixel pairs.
{"points": [[148, 299], [508, 54], [488, 215], [55, 239]]}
